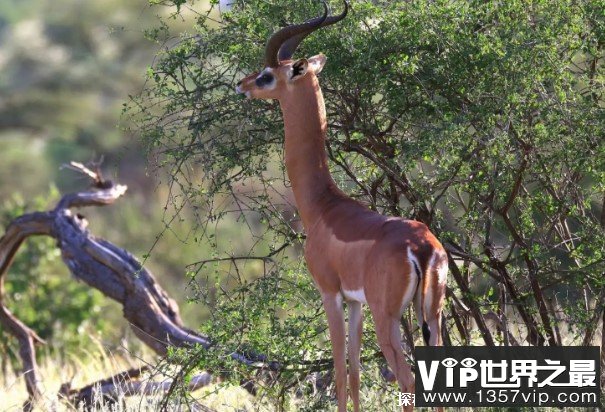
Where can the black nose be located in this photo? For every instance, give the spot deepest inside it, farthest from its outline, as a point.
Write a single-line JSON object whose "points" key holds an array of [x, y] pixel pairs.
{"points": [[240, 82]]}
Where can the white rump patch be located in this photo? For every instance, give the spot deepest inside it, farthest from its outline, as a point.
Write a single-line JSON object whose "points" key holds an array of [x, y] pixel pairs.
{"points": [[413, 261], [355, 295], [442, 271], [428, 298]]}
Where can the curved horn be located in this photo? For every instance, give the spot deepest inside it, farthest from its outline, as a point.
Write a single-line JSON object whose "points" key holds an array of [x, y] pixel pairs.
{"points": [[289, 46], [281, 36]]}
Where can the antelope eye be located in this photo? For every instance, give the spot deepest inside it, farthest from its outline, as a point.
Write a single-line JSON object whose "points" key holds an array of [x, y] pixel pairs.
{"points": [[264, 79]]}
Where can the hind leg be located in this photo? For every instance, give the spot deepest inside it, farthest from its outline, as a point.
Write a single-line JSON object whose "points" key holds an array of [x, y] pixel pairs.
{"points": [[432, 306], [434, 326], [419, 317], [389, 339], [432, 313]]}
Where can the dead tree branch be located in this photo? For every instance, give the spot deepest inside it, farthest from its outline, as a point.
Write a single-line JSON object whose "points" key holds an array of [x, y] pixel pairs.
{"points": [[152, 314]]}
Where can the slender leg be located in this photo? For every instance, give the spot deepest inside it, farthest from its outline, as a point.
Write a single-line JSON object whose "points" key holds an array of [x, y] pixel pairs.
{"points": [[435, 328], [389, 339], [432, 311], [355, 331], [419, 313], [336, 323], [434, 321]]}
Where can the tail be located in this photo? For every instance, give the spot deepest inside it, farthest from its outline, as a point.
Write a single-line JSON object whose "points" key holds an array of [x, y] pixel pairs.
{"points": [[426, 332]]}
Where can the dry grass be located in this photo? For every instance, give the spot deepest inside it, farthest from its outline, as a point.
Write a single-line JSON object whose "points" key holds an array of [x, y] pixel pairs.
{"points": [[86, 367]]}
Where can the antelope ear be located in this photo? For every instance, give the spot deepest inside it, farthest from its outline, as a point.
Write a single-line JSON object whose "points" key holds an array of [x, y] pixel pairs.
{"points": [[316, 63], [299, 69]]}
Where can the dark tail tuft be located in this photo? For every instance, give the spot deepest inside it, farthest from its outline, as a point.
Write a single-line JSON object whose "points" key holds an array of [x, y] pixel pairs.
{"points": [[426, 333]]}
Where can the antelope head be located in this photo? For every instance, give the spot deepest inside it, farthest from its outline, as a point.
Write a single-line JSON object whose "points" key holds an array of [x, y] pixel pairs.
{"points": [[281, 73]]}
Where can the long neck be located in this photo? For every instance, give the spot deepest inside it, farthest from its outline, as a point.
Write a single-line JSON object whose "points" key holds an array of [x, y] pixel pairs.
{"points": [[306, 160]]}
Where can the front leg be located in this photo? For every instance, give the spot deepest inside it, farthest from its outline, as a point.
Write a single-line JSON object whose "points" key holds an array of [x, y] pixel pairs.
{"points": [[332, 303], [355, 333]]}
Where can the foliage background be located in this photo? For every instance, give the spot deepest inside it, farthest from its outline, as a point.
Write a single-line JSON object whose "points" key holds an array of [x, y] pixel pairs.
{"points": [[66, 69], [482, 119]]}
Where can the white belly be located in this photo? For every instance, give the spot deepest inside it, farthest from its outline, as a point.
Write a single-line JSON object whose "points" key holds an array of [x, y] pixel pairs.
{"points": [[355, 295]]}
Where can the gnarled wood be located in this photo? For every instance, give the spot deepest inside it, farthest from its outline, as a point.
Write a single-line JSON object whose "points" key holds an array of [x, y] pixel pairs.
{"points": [[126, 384], [152, 314]]}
